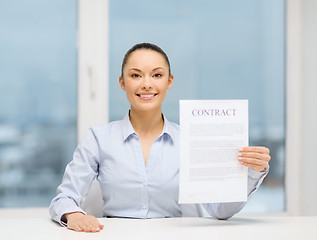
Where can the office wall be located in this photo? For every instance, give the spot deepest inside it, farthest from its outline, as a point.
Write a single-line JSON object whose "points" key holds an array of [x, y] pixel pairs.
{"points": [[309, 108]]}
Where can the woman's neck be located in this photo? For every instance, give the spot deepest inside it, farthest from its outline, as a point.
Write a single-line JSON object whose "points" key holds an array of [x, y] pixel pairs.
{"points": [[146, 123]]}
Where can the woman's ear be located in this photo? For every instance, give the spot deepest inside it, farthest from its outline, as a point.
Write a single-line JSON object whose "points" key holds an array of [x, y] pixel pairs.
{"points": [[121, 82], [170, 81]]}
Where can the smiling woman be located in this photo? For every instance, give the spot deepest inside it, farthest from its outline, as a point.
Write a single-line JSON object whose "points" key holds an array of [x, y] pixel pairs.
{"points": [[136, 160]]}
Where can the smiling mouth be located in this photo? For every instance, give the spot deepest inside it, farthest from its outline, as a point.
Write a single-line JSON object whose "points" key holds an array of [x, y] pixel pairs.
{"points": [[147, 96]]}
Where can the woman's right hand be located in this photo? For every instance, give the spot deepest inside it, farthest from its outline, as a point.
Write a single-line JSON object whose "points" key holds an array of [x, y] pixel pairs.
{"points": [[80, 222]]}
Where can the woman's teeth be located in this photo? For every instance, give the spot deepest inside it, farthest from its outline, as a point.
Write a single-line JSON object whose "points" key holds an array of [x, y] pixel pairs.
{"points": [[147, 96]]}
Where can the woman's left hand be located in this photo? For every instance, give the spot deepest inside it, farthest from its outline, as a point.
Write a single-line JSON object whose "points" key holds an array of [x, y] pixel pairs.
{"points": [[256, 158]]}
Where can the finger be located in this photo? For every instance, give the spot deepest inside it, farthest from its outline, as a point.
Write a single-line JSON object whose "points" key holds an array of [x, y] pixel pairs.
{"points": [[252, 161], [92, 225], [89, 227], [75, 228], [95, 228], [254, 155], [258, 149], [255, 167]]}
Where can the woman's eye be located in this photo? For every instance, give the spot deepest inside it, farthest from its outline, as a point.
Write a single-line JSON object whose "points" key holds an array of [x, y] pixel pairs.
{"points": [[158, 75], [135, 75]]}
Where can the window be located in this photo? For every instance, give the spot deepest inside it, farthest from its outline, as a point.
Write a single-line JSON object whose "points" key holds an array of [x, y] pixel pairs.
{"points": [[218, 50], [38, 104]]}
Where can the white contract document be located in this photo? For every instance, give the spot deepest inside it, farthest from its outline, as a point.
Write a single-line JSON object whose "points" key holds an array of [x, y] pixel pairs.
{"points": [[211, 134]]}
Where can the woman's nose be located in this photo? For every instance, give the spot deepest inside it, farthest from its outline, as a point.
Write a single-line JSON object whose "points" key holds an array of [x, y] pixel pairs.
{"points": [[146, 84]]}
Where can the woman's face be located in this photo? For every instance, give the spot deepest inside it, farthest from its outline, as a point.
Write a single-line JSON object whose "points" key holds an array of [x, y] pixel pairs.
{"points": [[145, 80]]}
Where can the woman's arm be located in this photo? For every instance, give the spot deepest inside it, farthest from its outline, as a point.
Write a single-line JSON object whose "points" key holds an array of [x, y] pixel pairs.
{"points": [[77, 180]]}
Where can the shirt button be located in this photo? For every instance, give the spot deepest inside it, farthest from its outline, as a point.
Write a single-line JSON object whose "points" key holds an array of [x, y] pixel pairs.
{"points": [[144, 207], [144, 184]]}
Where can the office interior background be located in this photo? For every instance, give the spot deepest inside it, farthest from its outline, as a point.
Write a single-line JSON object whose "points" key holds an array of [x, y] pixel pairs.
{"points": [[60, 63]]}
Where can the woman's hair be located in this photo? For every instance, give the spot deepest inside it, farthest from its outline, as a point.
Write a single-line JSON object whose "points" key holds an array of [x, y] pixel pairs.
{"points": [[147, 46]]}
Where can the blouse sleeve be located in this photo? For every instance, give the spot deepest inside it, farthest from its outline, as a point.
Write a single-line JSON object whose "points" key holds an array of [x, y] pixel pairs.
{"points": [[78, 177]]}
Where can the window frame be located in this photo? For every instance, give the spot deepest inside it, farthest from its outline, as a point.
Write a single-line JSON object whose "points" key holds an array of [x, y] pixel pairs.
{"points": [[293, 106], [92, 64]]}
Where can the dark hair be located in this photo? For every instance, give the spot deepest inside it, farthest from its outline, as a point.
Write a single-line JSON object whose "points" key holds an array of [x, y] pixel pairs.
{"points": [[147, 46]]}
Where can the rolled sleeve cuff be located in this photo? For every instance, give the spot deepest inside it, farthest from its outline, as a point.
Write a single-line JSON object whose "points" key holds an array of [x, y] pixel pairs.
{"points": [[258, 175], [256, 178], [62, 206]]}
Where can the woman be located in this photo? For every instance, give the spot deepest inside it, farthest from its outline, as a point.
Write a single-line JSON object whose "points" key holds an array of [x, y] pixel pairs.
{"points": [[136, 160]]}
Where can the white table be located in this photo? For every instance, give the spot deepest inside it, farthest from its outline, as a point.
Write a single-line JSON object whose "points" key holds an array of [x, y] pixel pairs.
{"points": [[255, 228]]}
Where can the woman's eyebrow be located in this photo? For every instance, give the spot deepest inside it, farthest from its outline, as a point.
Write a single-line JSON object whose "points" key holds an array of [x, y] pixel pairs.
{"points": [[135, 69], [158, 68], [138, 70]]}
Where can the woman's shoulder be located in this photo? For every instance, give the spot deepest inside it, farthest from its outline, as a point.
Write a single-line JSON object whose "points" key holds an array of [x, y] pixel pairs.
{"points": [[106, 128], [105, 132], [103, 136]]}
